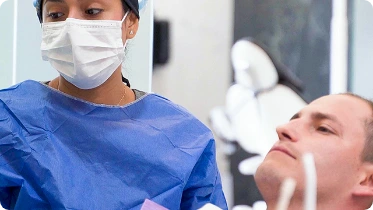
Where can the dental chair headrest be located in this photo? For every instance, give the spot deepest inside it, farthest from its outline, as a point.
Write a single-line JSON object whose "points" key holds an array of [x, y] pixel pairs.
{"points": [[257, 69], [252, 66]]}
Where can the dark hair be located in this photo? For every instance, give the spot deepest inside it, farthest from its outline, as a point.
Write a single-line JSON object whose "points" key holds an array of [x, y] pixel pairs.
{"points": [[133, 5], [367, 153]]}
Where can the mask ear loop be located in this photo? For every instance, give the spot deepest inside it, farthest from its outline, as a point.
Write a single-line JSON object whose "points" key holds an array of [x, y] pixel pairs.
{"points": [[125, 80], [125, 15]]}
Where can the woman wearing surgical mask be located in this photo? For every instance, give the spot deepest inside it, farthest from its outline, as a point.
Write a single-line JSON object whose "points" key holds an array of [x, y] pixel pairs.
{"points": [[86, 140]]}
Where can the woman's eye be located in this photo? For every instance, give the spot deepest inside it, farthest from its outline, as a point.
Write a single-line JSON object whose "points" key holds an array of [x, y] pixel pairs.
{"points": [[55, 15], [93, 11]]}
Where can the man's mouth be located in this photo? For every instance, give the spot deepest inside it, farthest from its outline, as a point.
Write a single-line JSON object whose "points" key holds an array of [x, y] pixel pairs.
{"points": [[283, 150]]}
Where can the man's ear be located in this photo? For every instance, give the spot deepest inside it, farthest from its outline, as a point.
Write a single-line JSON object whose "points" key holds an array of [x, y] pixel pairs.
{"points": [[132, 25], [364, 188]]}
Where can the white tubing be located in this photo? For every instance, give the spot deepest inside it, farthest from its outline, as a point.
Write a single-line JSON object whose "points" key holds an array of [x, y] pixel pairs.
{"points": [[311, 182], [15, 25], [286, 193], [339, 48]]}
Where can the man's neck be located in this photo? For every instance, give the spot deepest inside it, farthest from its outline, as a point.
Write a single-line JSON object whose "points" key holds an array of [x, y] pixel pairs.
{"points": [[294, 205], [331, 204]]}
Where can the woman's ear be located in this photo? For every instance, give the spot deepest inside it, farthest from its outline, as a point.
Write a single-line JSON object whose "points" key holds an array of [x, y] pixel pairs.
{"points": [[132, 25]]}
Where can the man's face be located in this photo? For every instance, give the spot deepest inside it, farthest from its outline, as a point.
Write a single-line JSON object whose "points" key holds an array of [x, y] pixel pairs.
{"points": [[332, 128]]}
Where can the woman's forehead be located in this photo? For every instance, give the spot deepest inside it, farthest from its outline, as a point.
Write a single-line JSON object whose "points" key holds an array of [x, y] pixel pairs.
{"points": [[78, 1], [132, 4]]}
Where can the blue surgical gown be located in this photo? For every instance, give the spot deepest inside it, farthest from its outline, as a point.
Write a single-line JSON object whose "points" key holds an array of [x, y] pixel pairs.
{"points": [[59, 152]]}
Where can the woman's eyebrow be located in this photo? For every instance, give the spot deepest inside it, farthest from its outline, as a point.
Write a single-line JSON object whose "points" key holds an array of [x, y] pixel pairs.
{"points": [[58, 1]]}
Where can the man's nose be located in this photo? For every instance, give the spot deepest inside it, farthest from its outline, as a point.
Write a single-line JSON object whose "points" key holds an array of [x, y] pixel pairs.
{"points": [[288, 131]]}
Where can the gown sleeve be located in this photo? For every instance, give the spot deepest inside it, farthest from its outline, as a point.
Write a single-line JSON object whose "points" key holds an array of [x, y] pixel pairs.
{"points": [[204, 184], [12, 153]]}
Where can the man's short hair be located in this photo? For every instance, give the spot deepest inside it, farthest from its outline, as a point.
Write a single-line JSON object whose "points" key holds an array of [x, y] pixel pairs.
{"points": [[367, 154]]}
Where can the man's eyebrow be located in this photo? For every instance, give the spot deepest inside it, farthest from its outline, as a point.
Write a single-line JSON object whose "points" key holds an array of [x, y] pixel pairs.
{"points": [[323, 116], [319, 116], [297, 115]]}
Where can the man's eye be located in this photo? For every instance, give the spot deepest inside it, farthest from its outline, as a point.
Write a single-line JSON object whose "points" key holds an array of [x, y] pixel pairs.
{"points": [[324, 129], [93, 11], [55, 15]]}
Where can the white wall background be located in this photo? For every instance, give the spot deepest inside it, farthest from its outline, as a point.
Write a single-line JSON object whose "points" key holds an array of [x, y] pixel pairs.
{"points": [[5, 45], [199, 71], [362, 49]]}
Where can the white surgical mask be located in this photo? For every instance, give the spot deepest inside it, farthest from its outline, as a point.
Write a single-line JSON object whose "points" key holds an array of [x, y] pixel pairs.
{"points": [[85, 52]]}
